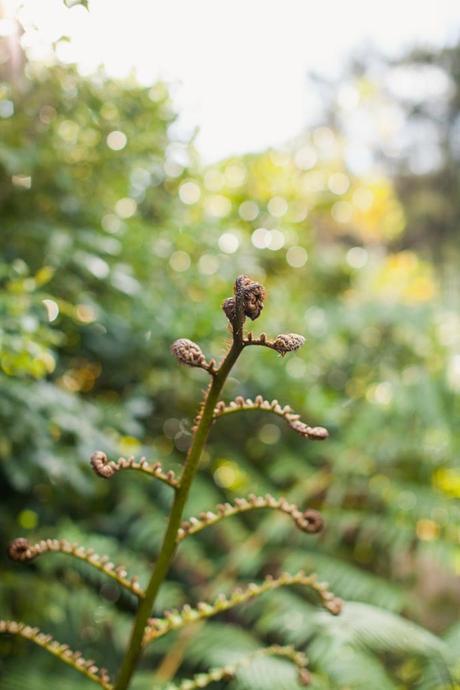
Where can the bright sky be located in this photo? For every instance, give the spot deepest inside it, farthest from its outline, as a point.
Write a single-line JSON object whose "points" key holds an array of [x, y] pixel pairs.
{"points": [[240, 65]]}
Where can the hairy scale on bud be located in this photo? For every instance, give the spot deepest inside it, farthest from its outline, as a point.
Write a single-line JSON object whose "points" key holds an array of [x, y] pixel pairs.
{"points": [[253, 300], [74, 659], [22, 550], [314, 433]]}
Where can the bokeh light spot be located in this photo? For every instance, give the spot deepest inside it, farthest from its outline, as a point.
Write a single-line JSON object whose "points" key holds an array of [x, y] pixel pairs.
{"points": [[218, 206], [116, 140], [357, 257], [427, 530], [179, 261], [296, 257], [269, 434], [52, 309], [342, 212], [189, 193], [228, 475], [306, 157], [28, 519], [260, 238], [228, 242], [338, 183], [111, 223], [235, 175], [24, 181], [6, 109], [276, 240], [248, 210], [85, 313], [214, 180], [126, 207], [277, 206], [208, 264]]}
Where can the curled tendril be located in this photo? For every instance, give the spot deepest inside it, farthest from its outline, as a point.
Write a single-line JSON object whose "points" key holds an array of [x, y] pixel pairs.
{"points": [[314, 433], [74, 659], [22, 550], [201, 680], [309, 521], [157, 627], [107, 468]]}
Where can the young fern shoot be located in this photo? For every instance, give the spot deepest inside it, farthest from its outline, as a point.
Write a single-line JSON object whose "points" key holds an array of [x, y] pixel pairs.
{"points": [[246, 302]]}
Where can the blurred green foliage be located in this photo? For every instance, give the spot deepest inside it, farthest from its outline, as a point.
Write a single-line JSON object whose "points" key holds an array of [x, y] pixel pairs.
{"points": [[115, 241]]}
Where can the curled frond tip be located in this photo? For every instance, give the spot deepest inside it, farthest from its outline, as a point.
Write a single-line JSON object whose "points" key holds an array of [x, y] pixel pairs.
{"points": [[106, 468], [23, 550], [309, 521], [253, 299]]}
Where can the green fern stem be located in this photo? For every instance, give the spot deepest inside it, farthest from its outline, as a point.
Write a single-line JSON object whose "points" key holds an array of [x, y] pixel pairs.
{"points": [[169, 545]]}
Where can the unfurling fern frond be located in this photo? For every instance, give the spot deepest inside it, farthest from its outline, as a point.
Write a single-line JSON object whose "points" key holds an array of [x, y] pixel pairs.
{"points": [[22, 550], [74, 659], [227, 672], [107, 468], [309, 521], [247, 302], [173, 620], [315, 433]]}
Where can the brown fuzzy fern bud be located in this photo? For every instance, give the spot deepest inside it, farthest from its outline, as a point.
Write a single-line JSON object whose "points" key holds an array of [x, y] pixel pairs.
{"points": [[253, 298], [189, 353], [20, 550], [229, 308], [312, 521], [101, 465], [254, 295], [288, 342]]}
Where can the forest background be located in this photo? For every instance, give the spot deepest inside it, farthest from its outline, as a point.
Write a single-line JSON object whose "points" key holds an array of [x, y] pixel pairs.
{"points": [[116, 239]]}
